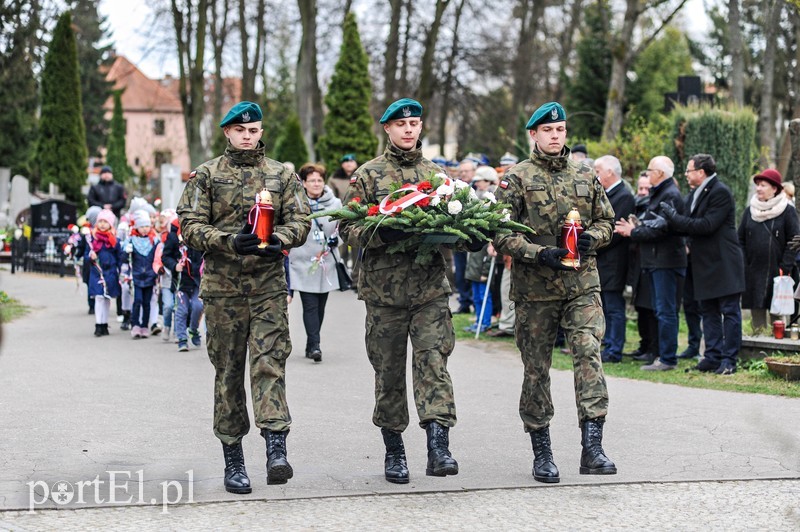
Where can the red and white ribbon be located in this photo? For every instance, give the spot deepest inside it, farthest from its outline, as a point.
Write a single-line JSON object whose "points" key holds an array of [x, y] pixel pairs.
{"points": [[387, 206]]}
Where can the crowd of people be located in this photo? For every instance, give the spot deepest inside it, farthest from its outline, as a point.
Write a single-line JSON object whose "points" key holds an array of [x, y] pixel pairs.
{"points": [[669, 248]]}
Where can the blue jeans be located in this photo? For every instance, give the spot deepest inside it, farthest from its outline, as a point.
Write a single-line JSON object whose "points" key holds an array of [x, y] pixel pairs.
{"points": [[664, 283], [167, 306], [722, 326], [462, 285], [140, 313], [479, 290], [189, 308], [614, 309]]}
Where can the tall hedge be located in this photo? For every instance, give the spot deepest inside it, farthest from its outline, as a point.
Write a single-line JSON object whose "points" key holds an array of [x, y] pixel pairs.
{"points": [[116, 157], [728, 135], [348, 124], [61, 148]]}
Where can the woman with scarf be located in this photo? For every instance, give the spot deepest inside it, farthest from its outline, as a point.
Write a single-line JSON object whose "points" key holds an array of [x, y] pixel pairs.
{"points": [[768, 224], [104, 255], [312, 266]]}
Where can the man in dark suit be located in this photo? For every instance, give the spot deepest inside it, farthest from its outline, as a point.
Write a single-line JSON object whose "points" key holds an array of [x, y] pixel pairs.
{"points": [[612, 260], [663, 257], [717, 262]]}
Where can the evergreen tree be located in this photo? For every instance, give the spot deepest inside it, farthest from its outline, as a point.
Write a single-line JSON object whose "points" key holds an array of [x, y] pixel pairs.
{"points": [[61, 148], [290, 146], [279, 100], [587, 92], [19, 96], [116, 157], [95, 90], [348, 124]]}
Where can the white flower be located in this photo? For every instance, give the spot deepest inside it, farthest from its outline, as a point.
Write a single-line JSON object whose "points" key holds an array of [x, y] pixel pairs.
{"points": [[435, 201], [454, 207], [472, 195], [488, 196], [445, 190], [460, 184], [442, 176], [506, 216]]}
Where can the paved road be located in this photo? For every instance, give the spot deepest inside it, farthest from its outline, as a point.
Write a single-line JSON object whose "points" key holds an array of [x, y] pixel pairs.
{"points": [[74, 408]]}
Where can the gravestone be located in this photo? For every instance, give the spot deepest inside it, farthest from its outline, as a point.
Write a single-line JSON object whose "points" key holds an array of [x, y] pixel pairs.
{"points": [[20, 197], [171, 186], [5, 189], [49, 226]]}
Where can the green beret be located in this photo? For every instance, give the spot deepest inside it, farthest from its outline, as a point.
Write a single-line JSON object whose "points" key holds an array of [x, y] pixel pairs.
{"points": [[348, 157], [242, 113], [402, 108], [547, 114]]}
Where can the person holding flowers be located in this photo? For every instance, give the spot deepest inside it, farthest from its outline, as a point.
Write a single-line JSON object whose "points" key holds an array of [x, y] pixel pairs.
{"points": [[404, 299], [545, 191], [312, 266], [104, 255]]}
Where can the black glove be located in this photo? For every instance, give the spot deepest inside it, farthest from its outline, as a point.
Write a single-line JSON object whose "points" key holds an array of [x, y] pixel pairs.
{"points": [[551, 257], [389, 234], [585, 242], [475, 244], [669, 211], [794, 243], [246, 243], [333, 241], [656, 222], [273, 251]]}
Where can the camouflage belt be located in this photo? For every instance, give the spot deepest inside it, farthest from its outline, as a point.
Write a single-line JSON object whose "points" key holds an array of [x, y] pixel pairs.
{"points": [[544, 240]]}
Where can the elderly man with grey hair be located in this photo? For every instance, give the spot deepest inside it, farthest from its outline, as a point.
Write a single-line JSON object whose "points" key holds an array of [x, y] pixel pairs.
{"points": [[663, 257], [612, 260]]}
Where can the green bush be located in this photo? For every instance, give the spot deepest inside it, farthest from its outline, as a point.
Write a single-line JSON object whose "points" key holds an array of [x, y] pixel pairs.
{"points": [[728, 135]]}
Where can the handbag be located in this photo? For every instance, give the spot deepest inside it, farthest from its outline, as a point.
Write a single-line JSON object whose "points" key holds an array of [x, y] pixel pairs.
{"points": [[782, 296], [345, 281]]}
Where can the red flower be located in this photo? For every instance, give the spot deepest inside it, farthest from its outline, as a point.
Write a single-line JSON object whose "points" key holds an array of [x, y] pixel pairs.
{"points": [[424, 202], [356, 199], [373, 211], [425, 186]]}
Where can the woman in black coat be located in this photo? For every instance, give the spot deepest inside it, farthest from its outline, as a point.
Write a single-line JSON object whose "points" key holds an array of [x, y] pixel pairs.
{"points": [[768, 224]]}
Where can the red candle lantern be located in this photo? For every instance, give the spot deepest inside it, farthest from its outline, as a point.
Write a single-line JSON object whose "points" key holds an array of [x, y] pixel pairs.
{"points": [[570, 232], [262, 217]]}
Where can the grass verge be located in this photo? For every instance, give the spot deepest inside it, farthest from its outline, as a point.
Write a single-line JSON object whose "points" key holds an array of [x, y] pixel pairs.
{"points": [[750, 377], [10, 308]]}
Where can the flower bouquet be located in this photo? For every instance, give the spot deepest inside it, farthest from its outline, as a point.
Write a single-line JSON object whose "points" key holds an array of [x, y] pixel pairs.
{"points": [[436, 211]]}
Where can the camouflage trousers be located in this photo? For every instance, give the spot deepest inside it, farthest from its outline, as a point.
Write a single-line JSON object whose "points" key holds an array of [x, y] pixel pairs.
{"points": [[536, 327], [430, 327], [258, 324]]}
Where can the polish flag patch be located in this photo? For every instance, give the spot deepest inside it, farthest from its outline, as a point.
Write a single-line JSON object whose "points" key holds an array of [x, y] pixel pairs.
{"points": [[503, 184], [192, 174], [353, 179]]}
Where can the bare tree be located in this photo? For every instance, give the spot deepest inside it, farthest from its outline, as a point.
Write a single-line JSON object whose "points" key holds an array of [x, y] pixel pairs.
{"points": [[623, 53], [529, 13], [402, 85], [444, 108], [392, 48], [565, 45], [426, 78], [250, 68], [772, 19], [191, 20], [737, 52], [309, 97], [219, 34]]}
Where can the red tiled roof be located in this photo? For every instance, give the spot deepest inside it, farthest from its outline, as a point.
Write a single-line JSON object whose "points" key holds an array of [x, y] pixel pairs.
{"points": [[141, 93]]}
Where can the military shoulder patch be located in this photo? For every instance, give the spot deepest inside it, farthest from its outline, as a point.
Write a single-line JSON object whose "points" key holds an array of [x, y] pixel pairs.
{"points": [[503, 184], [192, 174], [353, 179]]}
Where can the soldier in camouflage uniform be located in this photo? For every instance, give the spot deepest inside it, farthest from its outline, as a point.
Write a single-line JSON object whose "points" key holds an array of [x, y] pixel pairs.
{"points": [[244, 288], [404, 300], [542, 190]]}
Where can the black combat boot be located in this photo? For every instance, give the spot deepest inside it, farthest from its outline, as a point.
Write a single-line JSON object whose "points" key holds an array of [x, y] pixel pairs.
{"points": [[126, 320], [544, 467], [236, 479], [440, 462], [278, 468], [395, 466], [98, 330], [104, 329], [593, 459]]}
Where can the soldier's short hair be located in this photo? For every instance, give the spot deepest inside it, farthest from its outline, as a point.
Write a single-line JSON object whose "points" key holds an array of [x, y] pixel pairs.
{"points": [[309, 168], [704, 162]]}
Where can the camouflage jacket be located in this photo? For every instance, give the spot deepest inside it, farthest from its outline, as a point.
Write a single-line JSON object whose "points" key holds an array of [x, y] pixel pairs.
{"points": [[392, 279], [541, 191], [213, 209]]}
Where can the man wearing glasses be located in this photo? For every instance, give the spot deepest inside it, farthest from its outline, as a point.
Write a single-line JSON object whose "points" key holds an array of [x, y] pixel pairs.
{"points": [[663, 257]]}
